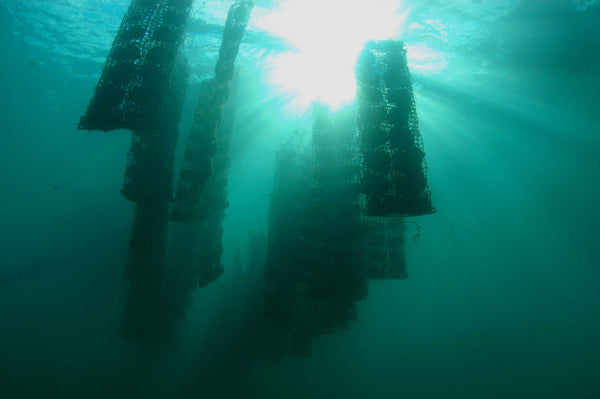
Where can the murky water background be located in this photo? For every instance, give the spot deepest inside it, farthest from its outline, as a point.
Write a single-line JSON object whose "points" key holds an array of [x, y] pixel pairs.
{"points": [[502, 299]]}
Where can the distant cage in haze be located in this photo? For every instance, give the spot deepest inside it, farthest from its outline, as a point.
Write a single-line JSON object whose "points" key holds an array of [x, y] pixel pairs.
{"points": [[384, 248], [133, 84], [392, 167]]}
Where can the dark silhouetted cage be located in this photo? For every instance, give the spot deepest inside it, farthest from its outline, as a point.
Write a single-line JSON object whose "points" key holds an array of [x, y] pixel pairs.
{"points": [[149, 183], [201, 146], [132, 87], [393, 170], [384, 248]]}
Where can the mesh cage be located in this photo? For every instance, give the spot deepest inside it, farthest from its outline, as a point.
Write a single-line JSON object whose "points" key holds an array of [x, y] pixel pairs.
{"points": [[131, 90], [151, 157], [201, 146], [393, 170], [384, 248]]}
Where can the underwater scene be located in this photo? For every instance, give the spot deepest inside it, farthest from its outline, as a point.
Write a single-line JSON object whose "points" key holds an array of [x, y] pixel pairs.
{"points": [[299, 199]]}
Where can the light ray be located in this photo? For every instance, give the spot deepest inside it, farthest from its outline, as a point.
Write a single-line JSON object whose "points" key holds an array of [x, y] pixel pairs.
{"points": [[326, 37]]}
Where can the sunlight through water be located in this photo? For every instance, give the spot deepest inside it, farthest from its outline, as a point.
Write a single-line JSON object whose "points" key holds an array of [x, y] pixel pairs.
{"points": [[326, 37]]}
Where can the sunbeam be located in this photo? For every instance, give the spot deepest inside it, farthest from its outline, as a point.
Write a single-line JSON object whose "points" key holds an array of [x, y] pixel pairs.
{"points": [[326, 37]]}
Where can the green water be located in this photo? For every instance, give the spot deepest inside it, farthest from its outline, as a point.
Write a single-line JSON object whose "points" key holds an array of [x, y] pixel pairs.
{"points": [[503, 297]]}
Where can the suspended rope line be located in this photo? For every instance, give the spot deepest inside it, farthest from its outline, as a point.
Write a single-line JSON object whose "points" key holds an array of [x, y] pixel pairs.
{"points": [[418, 234]]}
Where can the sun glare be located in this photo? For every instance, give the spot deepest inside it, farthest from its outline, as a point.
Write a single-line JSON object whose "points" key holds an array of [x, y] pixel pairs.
{"points": [[327, 37]]}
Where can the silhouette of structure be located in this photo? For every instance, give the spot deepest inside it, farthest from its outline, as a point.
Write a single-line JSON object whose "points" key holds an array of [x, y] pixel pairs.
{"points": [[134, 82], [149, 184], [142, 88], [393, 171], [330, 218], [314, 270], [201, 146], [198, 241], [384, 248]]}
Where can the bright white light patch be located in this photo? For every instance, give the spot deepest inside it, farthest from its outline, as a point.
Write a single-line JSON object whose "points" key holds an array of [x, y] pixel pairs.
{"points": [[327, 36]]}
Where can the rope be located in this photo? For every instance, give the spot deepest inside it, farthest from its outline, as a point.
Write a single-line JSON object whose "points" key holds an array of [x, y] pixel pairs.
{"points": [[418, 234]]}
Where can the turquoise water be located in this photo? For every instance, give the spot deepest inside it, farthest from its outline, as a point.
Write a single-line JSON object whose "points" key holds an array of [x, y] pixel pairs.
{"points": [[502, 299]]}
